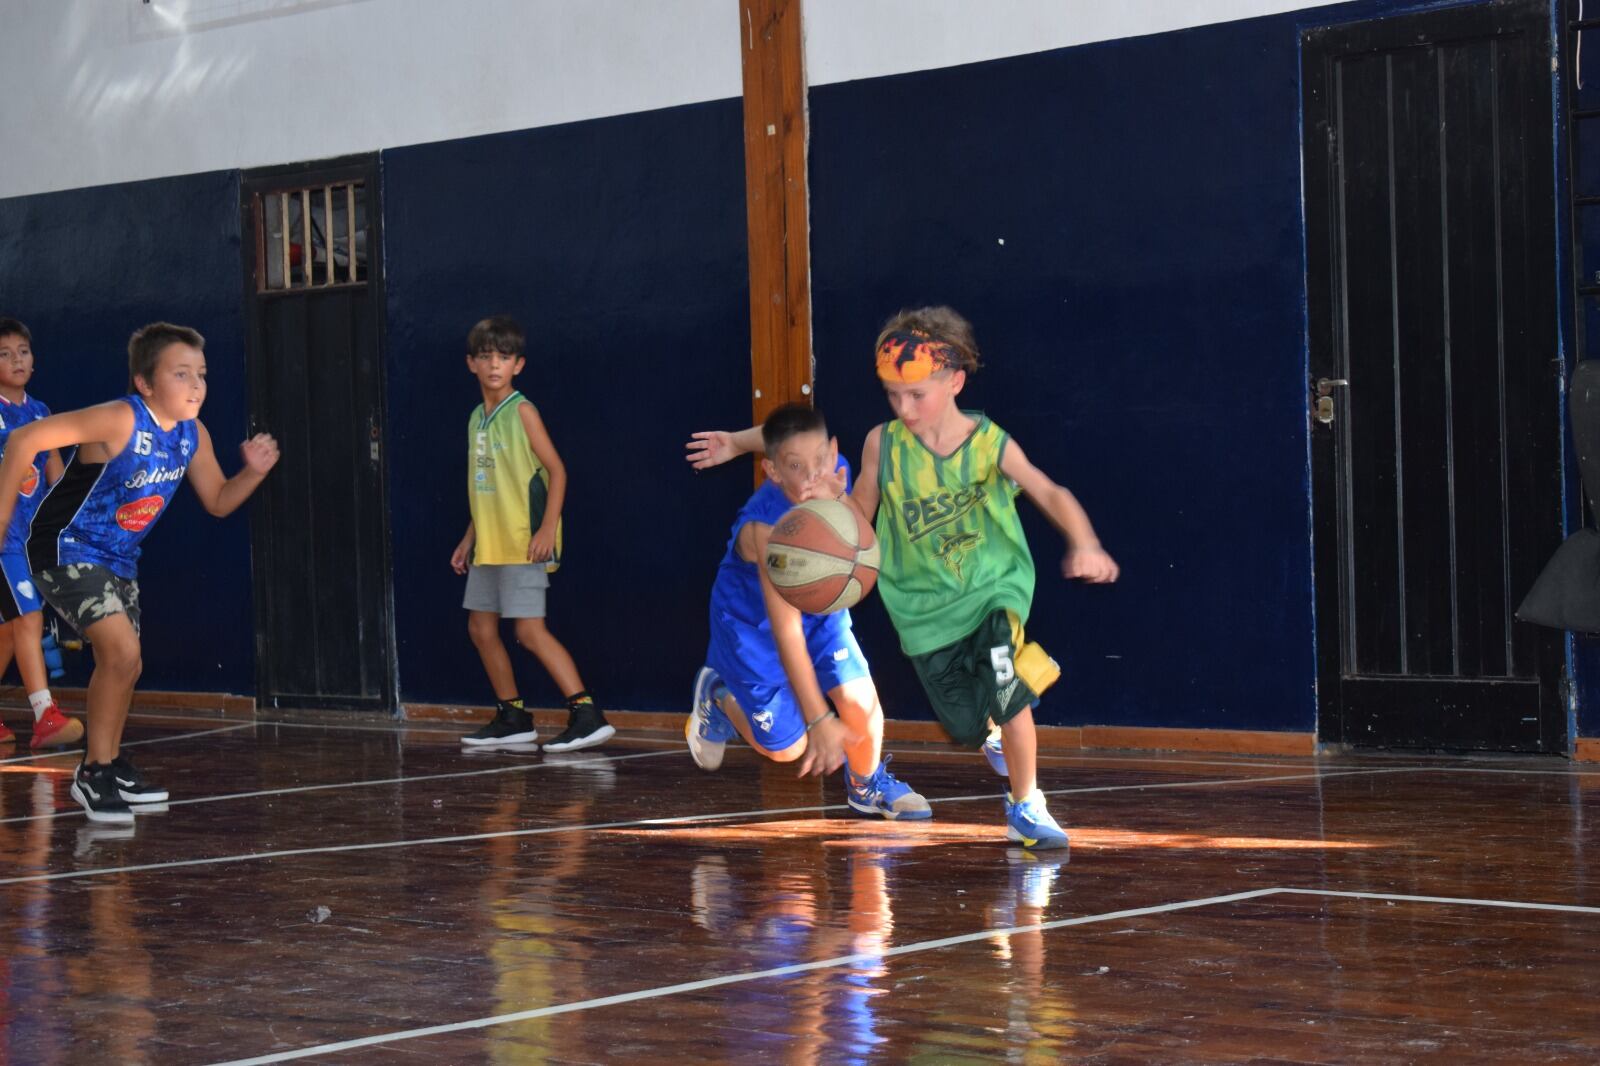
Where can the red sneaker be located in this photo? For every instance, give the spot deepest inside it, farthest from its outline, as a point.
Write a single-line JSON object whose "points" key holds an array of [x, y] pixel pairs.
{"points": [[55, 730], [6, 735]]}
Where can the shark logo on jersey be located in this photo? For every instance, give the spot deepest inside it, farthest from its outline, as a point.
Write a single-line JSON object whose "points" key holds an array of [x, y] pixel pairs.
{"points": [[953, 547]]}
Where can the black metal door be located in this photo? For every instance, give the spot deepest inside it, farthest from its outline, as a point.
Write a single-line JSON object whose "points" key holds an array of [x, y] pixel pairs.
{"points": [[323, 589], [1434, 376]]}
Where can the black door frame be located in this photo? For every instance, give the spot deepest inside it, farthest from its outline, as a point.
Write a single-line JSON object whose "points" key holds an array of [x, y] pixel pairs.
{"points": [[366, 168], [1320, 46]]}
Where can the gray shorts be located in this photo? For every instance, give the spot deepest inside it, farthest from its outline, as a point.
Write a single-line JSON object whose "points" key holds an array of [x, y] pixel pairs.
{"points": [[515, 590], [86, 593]]}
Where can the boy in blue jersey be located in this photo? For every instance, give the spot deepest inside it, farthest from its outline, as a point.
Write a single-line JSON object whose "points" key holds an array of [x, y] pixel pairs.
{"points": [[768, 665], [21, 610], [83, 546]]}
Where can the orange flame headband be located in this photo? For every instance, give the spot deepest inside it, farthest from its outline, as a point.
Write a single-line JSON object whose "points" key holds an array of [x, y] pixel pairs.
{"points": [[912, 357]]}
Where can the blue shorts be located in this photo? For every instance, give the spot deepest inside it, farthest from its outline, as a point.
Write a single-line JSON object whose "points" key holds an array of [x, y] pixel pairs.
{"points": [[768, 702], [21, 595]]}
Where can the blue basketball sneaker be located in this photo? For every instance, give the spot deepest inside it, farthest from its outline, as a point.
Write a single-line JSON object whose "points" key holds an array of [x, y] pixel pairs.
{"points": [[1029, 823], [707, 729], [884, 794], [995, 754]]}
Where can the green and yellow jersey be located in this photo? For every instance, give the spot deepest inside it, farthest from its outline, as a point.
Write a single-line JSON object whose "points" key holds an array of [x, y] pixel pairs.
{"points": [[507, 486], [952, 541]]}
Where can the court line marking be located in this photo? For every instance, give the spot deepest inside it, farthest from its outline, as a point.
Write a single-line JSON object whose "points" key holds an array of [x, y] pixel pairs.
{"points": [[383, 845], [870, 958], [682, 819], [1109, 754], [521, 767], [1469, 901], [129, 743]]}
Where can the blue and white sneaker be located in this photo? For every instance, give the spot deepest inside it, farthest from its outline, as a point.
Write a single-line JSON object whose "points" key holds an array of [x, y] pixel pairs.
{"points": [[707, 729], [884, 794], [995, 754], [1029, 823]]}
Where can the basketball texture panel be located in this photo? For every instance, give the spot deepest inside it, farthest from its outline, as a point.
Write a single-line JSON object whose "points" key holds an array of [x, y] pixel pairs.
{"points": [[822, 557]]}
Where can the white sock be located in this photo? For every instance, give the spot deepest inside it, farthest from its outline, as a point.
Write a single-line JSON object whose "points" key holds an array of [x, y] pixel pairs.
{"points": [[40, 702]]}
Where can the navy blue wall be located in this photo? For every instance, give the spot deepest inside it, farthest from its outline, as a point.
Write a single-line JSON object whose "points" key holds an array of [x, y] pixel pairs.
{"points": [[620, 244], [1122, 223], [84, 269]]}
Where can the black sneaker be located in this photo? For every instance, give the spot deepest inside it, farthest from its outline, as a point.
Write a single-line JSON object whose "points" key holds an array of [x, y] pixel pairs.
{"points": [[509, 726], [131, 783], [586, 727], [95, 789]]}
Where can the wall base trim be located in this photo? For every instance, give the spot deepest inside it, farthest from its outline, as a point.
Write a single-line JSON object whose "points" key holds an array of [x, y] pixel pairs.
{"points": [[1051, 737], [222, 704]]}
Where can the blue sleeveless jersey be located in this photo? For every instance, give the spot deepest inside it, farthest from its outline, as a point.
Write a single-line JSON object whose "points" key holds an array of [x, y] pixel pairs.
{"points": [[99, 512], [740, 629], [13, 415]]}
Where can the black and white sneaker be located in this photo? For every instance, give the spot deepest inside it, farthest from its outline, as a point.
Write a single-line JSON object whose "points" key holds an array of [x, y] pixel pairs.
{"points": [[586, 727], [509, 726], [94, 787], [131, 784]]}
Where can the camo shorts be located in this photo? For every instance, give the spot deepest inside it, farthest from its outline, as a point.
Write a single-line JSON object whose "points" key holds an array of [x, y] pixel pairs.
{"points": [[85, 594]]}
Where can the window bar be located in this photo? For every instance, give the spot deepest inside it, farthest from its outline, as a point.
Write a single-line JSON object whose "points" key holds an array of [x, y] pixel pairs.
{"points": [[327, 232], [350, 227], [283, 233], [305, 234]]}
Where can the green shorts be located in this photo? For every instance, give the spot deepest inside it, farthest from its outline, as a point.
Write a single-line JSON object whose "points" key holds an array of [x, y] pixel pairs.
{"points": [[986, 677]]}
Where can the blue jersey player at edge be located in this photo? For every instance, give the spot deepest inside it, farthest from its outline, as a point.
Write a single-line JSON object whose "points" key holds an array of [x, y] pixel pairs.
{"points": [[83, 544]]}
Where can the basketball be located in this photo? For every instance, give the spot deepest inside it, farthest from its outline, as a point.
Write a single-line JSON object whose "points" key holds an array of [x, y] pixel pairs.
{"points": [[822, 557]]}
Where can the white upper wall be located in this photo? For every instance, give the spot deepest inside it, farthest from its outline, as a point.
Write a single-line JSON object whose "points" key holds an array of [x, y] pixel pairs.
{"points": [[851, 39], [101, 91]]}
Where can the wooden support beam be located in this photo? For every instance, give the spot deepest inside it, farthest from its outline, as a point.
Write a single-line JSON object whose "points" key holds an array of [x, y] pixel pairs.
{"points": [[776, 203]]}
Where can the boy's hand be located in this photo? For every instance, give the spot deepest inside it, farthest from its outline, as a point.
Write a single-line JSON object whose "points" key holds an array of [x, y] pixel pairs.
{"points": [[542, 546], [1092, 565], [260, 453], [825, 747], [461, 556], [710, 448], [827, 487]]}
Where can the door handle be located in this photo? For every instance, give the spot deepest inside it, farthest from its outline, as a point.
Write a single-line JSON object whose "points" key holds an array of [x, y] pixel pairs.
{"points": [[1323, 409]]}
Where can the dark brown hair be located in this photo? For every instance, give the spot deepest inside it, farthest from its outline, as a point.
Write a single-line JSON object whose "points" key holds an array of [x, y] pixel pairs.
{"points": [[790, 420], [147, 344], [497, 333]]}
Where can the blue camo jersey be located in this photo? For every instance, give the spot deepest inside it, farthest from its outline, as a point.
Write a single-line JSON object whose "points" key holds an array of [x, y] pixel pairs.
{"points": [[741, 632], [99, 512], [13, 415]]}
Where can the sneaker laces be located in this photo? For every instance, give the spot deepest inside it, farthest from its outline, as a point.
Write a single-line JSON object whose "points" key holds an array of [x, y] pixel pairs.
{"points": [[877, 781]]}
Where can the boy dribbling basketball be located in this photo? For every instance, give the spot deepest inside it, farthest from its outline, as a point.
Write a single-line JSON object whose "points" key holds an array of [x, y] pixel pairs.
{"points": [[770, 670], [957, 575]]}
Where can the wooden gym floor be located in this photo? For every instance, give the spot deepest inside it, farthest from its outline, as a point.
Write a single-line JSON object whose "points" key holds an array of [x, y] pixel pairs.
{"points": [[358, 893]]}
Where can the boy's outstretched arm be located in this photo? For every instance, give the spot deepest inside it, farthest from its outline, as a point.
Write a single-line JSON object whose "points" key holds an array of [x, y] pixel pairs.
{"points": [[108, 424], [219, 495], [1085, 557], [713, 447], [827, 735], [543, 544]]}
